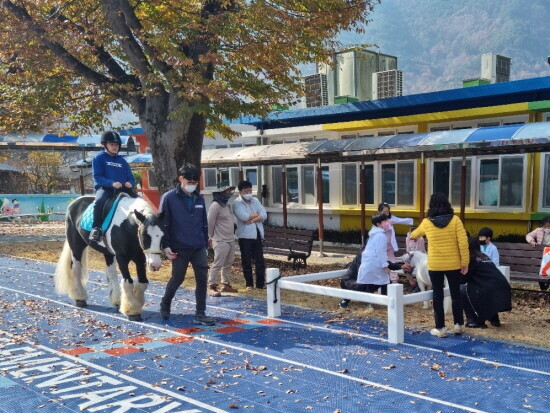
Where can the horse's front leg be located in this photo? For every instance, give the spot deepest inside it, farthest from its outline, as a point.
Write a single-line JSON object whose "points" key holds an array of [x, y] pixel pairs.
{"points": [[112, 279], [129, 306], [143, 282]]}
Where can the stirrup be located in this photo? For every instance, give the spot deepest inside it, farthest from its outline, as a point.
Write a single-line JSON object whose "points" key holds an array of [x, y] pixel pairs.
{"points": [[95, 235]]}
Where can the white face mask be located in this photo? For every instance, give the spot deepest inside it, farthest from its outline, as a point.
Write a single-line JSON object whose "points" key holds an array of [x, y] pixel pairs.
{"points": [[546, 230], [248, 197], [190, 188]]}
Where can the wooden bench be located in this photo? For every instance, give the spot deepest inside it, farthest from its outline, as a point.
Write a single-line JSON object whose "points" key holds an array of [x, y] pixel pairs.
{"points": [[295, 244], [523, 260]]}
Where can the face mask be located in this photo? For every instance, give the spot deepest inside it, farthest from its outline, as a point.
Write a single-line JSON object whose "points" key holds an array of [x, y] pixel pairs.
{"points": [[546, 230], [386, 225], [482, 242], [190, 188], [248, 197], [227, 197]]}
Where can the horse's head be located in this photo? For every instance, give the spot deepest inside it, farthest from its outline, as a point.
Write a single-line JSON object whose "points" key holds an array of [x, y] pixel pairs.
{"points": [[150, 238]]}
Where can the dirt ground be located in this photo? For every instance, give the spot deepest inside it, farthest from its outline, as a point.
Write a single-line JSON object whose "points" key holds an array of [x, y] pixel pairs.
{"points": [[524, 324]]}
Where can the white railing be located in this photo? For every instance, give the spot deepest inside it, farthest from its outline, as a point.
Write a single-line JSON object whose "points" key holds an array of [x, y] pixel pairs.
{"points": [[395, 301]]}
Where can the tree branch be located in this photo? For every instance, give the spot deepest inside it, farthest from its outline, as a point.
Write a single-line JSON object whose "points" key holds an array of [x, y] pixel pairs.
{"points": [[21, 14]]}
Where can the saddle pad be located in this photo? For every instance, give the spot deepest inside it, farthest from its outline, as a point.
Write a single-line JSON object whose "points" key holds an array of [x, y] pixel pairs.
{"points": [[87, 219]]}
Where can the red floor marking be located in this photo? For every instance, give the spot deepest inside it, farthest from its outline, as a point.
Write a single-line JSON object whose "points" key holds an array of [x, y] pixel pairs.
{"points": [[177, 339], [227, 330], [269, 321], [119, 351], [189, 330], [77, 351], [235, 321], [137, 340]]}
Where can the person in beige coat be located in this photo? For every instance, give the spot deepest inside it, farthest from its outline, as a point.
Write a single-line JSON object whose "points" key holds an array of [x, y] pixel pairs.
{"points": [[221, 238]]}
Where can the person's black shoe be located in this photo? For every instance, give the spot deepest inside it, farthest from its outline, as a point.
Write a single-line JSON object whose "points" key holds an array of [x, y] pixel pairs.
{"points": [[344, 304], [204, 320], [495, 323], [95, 234], [415, 289], [476, 325]]}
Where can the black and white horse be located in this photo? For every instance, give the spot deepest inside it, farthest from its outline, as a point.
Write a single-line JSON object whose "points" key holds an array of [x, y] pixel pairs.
{"points": [[135, 234]]}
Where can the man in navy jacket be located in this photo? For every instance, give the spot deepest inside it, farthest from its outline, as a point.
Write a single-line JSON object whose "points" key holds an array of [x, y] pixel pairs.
{"points": [[186, 241]]}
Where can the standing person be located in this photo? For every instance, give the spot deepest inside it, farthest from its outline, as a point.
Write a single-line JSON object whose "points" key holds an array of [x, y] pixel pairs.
{"points": [[485, 235], [448, 256], [186, 241], [392, 247], [486, 291], [541, 236], [250, 215], [221, 238], [111, 173]]}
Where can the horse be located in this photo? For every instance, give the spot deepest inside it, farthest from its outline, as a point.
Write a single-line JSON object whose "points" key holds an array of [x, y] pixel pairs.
{"points": [[419, 261], [134, 234]]}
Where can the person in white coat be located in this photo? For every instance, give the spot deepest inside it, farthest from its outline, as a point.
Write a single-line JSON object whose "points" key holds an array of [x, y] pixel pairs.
{"points": [[250, 215], [391, 245], [374, 271]]}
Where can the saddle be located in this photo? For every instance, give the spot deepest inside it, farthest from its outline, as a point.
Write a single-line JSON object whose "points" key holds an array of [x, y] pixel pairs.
{"points": [[87, 219]]}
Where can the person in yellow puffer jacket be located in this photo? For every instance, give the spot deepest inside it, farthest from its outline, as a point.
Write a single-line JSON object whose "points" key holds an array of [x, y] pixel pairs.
{"points": [[448, 256]]}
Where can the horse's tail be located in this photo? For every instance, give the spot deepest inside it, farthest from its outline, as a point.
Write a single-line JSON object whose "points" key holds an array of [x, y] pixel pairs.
{"points": [[64, 282]]}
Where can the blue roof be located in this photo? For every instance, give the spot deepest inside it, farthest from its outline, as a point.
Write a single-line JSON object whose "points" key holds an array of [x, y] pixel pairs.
{"points": [[54, 138], [527, 90]]}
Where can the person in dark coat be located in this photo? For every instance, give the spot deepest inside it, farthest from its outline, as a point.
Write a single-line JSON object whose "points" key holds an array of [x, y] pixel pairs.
{"points": [[486, 292], [349, 279]]}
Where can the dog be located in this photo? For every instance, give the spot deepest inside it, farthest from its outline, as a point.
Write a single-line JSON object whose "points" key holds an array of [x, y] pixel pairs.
{"points": [[419, 263]]}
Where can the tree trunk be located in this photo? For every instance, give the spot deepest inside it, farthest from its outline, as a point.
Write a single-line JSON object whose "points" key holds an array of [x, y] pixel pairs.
{"points": [[189, 146]]}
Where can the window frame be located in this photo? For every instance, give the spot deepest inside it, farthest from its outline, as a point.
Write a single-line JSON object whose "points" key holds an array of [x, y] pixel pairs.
{"points": [[498, 207]]}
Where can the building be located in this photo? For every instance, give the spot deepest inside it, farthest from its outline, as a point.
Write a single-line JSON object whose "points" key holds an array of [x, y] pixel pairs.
{"points": [[495, 68], [350, 73], [387, 84], [316, 91]]}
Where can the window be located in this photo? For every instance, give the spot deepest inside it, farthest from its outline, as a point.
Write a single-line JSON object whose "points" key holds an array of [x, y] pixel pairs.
{"points": [[439, 128], [292, 185], [398, 176], [235, 176], [501, 181], [349, 184], [447, 176], [326, 184], [152, 178], [369, 184], [251, 175], [386, 133], [441, 177], [308, 185], [209, 177], [456, 179], [487, 124], [276, 179]]}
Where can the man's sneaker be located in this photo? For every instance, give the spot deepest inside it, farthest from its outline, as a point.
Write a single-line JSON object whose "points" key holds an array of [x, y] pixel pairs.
{"points": [[344, 304], [204, 320], [458, 329], [439, 332], [228, 288], [213, 291], [95, 235]]}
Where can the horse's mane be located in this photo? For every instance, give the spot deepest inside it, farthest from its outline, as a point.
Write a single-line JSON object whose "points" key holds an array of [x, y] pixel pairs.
{"points": [[140, 204]]}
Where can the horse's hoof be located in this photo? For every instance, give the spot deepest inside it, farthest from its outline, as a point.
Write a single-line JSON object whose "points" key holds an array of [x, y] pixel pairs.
{"points": [[135, 317], [81, 303]]}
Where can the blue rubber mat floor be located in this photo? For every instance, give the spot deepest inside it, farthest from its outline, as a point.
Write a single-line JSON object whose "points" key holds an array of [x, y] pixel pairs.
{"points": [[56, 357]]}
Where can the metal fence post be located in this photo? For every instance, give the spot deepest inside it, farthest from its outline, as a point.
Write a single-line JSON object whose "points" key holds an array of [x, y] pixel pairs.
{"points": [[396, 317], [273, 293]]}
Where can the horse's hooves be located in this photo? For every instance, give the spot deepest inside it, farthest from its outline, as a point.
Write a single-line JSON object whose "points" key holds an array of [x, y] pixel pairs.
{"points": [[81, 303], [135, 317]]}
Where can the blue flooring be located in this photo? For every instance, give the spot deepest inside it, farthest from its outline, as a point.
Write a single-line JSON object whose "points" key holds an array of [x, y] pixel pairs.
{"points": [[303, 361]]}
